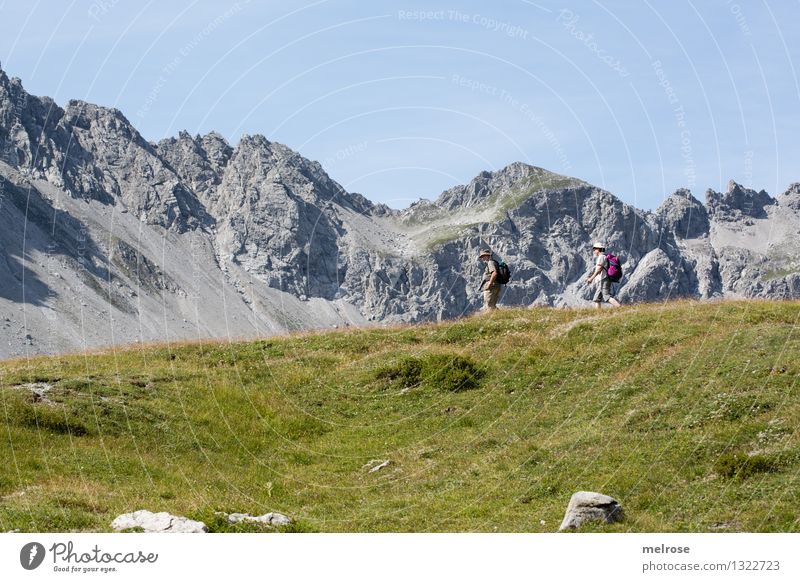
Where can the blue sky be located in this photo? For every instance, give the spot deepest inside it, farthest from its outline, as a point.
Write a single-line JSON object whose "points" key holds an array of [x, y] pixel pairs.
{"points": [[401, 100]]}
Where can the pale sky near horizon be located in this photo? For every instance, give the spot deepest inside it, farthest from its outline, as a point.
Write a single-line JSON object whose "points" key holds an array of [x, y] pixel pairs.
{"points": [[401, 100]]}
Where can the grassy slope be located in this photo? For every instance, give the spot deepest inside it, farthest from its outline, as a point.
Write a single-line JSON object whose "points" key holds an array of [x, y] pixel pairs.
{"points": [[654, 405]]}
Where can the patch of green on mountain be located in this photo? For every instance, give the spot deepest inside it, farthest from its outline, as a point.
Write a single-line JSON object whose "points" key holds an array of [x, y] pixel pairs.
{"points": [[685, 412], [780, 273], [422, 213], [444, 235], [780, 263], [538, 182]]}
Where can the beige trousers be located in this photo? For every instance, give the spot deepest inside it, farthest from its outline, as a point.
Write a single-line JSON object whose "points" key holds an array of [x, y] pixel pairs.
{"points": [[490, 297]]}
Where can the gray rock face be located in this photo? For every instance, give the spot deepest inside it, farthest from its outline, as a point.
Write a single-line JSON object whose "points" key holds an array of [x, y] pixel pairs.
{"points": [[93, 153], [139, 241], [738, 202], [587, 506], [658, 276], [199, 161], [161, 522], [683, 216], [791, 198]]}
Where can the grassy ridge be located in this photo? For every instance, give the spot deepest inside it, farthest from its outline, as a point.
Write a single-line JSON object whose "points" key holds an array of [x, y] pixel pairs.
{"points": [[686, 412]]}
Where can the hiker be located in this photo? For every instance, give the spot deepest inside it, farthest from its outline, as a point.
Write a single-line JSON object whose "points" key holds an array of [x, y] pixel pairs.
{"points": [[603, 293], [489, 283]]}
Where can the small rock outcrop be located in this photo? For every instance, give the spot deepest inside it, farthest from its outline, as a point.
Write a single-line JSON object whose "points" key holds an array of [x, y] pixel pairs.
{"points": [[161, 522], [272, 518], [587, 506], [791, 198], [38, 392], [376, 465]]}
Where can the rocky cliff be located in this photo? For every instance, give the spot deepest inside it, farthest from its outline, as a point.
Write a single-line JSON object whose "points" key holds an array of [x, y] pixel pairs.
{"points": [[106, 238]]}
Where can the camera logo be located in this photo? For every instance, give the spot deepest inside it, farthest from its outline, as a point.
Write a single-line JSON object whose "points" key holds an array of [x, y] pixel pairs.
{"points": [[31, 555]]}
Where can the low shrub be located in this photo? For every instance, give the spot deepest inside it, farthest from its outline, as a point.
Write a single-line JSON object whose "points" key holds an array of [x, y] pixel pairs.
{"points": [[449, 372], [52, 419], [452, 373], [742, 466], [405, 373]]}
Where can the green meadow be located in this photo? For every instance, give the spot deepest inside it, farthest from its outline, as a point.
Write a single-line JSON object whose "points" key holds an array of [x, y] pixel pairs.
{"points": [[685, 412]]}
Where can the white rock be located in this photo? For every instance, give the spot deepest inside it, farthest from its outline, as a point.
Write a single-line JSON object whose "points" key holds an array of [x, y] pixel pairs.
{"points": [[586, 506], [161, 522], [272, 518], [379, 466], [39, 391]]}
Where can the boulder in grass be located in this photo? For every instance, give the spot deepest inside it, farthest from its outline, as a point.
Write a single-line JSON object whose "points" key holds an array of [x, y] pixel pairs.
{"points": [[161, 522], [587, 506]]}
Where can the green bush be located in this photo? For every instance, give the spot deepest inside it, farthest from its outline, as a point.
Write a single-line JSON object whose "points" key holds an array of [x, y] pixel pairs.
{"points": [[404, 373], [52, 419], [450, 372], [742, 466]]}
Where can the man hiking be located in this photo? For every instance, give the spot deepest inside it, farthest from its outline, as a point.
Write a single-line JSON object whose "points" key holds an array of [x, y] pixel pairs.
{"points": [[489, 283], [603, 293]]}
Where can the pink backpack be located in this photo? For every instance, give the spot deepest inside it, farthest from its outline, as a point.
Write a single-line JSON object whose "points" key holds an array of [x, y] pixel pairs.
{"points": [[614, 268]]}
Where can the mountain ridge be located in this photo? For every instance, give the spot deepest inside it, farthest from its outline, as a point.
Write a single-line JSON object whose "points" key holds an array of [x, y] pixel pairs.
{"points": [[152, 235]]}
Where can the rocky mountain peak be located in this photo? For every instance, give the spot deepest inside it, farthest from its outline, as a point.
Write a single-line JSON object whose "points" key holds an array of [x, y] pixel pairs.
{"points": [[7, 82], [199, 161], [473, 193], [738, 202], [683, 194], [683, 214], [217, 145], [107, 123], [304, 178], [94, 153], [508, 186], [791, 197]]}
